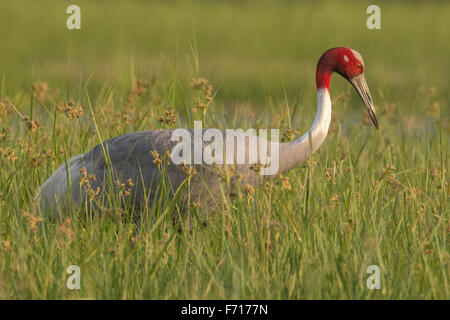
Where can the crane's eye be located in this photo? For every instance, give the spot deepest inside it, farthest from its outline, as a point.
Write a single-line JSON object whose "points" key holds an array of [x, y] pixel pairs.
{"points": [[360, 67]]}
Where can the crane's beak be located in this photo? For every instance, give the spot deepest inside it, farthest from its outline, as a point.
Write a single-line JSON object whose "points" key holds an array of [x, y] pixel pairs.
{"points": [[360, 84]]}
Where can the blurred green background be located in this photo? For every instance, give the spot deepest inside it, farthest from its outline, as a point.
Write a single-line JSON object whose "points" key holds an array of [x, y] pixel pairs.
{"points": [[243, 46]]}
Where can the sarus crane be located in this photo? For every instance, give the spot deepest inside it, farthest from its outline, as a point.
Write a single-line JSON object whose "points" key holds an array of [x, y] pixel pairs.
{"points": [[130, 158]]}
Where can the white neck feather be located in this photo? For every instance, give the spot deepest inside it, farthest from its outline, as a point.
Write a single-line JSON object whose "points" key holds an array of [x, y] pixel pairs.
{"points": [[299, 150]]}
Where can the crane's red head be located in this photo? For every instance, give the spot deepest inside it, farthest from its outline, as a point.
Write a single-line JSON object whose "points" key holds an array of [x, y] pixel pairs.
{"points": [[349, 64]]}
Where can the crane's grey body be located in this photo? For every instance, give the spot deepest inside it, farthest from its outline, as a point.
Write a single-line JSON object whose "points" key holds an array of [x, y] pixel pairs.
{"points": [[129, 156]]}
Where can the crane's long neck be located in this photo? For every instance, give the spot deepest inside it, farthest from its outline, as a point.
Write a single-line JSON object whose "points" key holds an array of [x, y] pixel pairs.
{"points": [[299, 150]]}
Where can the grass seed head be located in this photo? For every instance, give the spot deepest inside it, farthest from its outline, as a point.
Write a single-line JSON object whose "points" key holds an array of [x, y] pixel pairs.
{"points": [[6, 245], [5, 111], [285, 184], [156, 158], [33, 125], [169, 118], [202, 101], [8, 154], [40, 90], [71, 110], [289, 135], [139, 87], [32, 219], [65, 228], [189, 171]]}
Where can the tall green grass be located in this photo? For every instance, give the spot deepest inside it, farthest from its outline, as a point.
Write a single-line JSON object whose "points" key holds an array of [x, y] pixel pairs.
{"points": [[366, 197]]}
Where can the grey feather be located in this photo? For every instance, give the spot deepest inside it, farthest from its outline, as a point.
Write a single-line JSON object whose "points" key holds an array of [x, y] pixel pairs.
{"points": [[129, 157]]}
